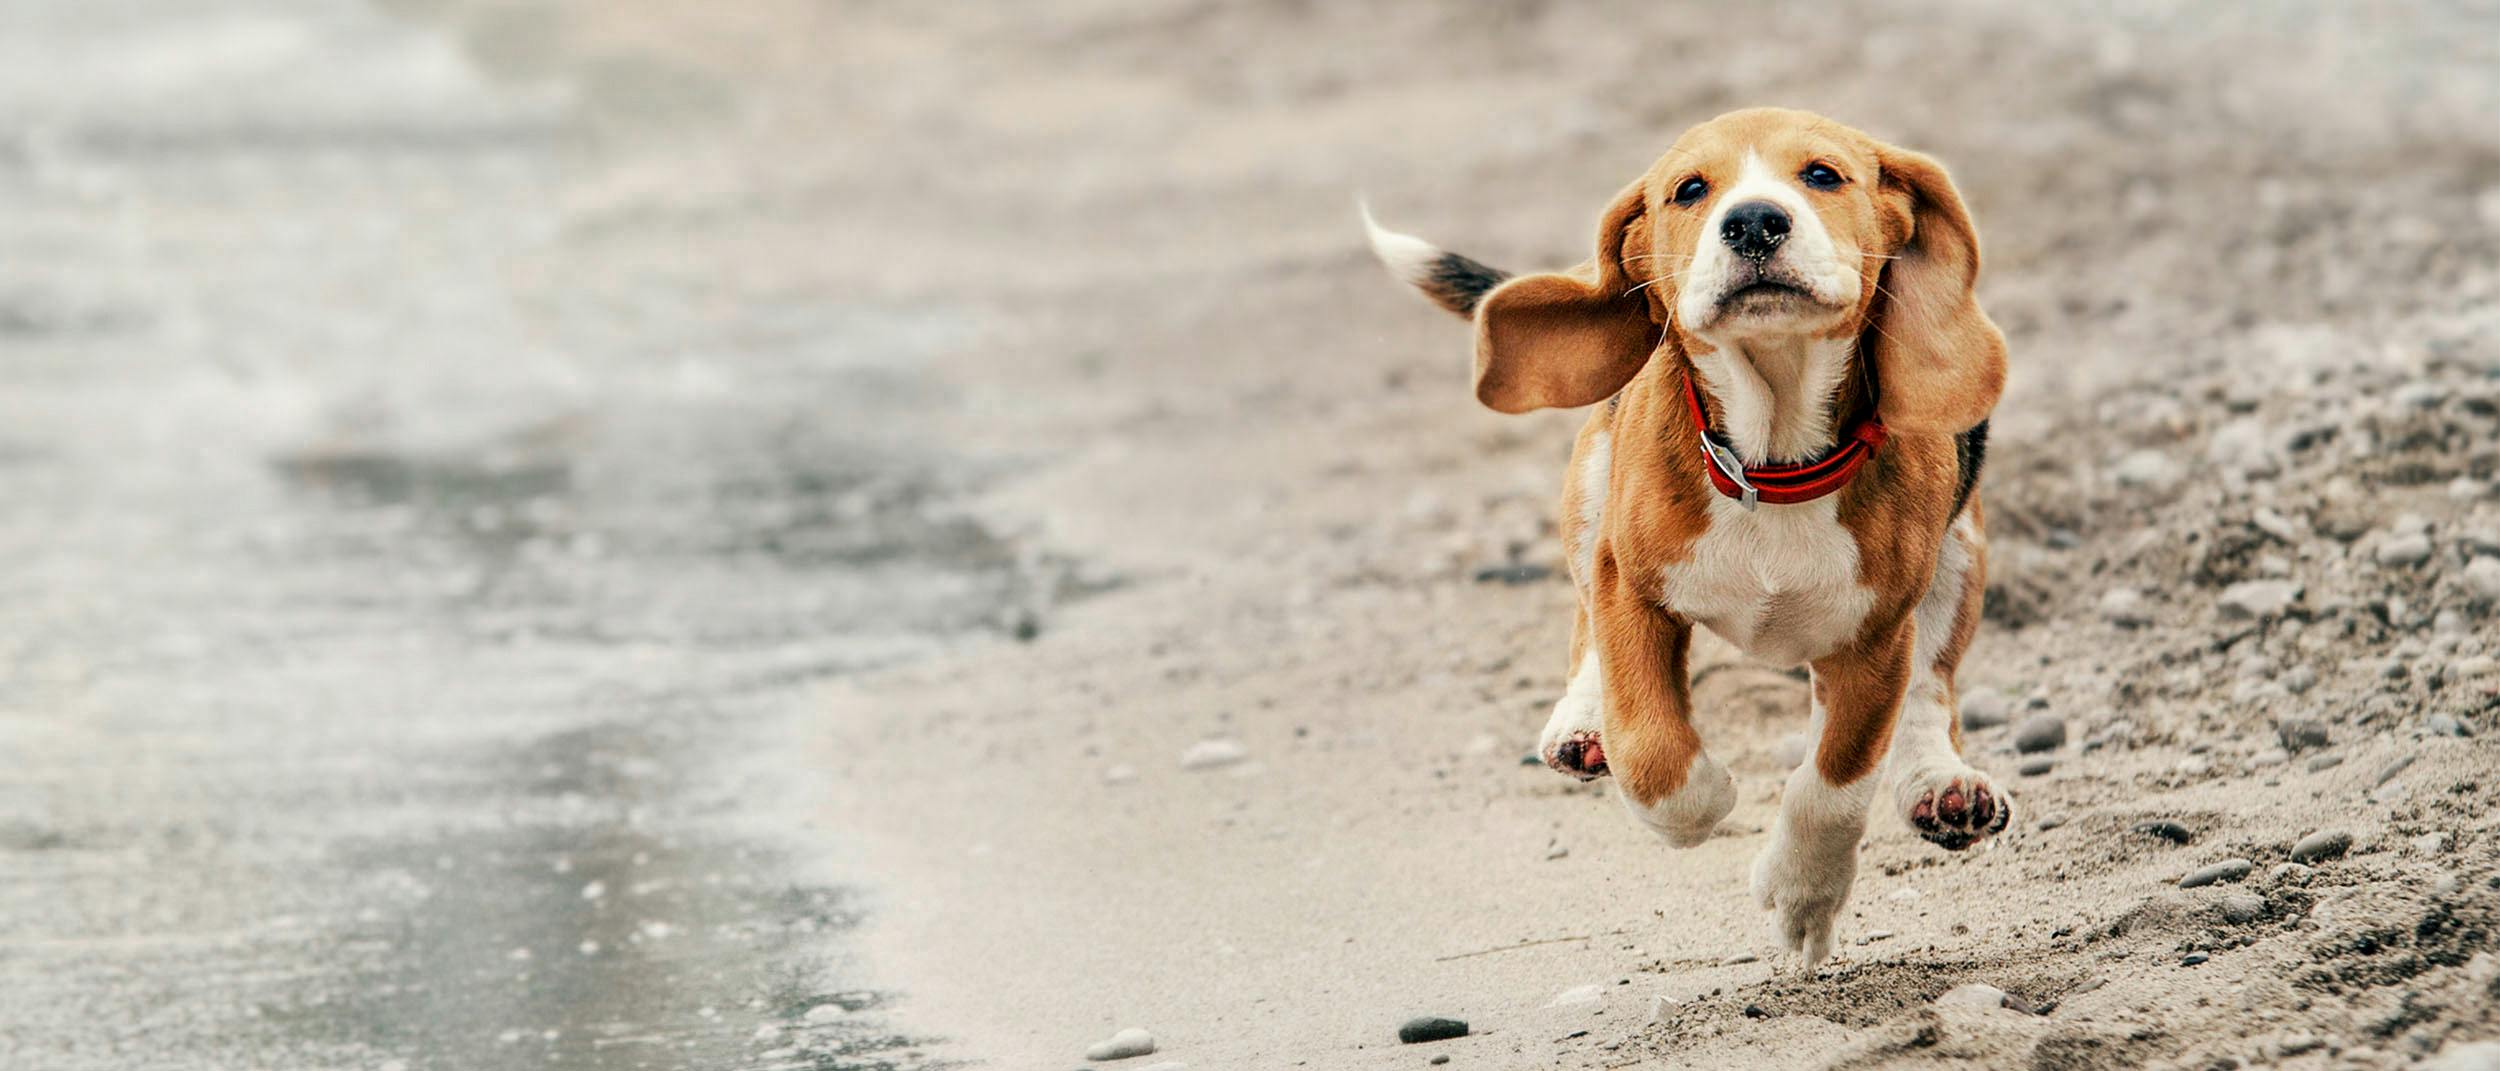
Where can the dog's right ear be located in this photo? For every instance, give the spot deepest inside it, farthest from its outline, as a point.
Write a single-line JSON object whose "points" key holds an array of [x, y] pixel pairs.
{"points": [[1567, 339]]}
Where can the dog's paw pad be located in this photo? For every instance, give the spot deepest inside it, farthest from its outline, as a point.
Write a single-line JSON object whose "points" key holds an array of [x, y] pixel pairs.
{"points": [[1961, 812], [1580, 754]]}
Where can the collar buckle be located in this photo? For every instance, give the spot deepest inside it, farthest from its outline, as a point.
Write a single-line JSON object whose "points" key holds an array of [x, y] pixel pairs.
{"points": [[1730, 466]]}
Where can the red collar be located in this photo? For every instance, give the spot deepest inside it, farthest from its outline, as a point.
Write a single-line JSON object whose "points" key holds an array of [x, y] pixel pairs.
{"points": [[1781, 485]]}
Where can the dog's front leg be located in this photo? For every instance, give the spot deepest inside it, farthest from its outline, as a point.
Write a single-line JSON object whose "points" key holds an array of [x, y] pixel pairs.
{"points": [[1667, 780], [1803, 875]]}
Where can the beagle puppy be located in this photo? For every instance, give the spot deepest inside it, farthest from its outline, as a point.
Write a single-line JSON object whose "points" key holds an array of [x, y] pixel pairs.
{"points": [[1795, 381]]}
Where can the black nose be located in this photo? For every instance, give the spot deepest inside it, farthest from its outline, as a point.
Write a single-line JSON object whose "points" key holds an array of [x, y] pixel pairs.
{"points": [[1754, 229]]}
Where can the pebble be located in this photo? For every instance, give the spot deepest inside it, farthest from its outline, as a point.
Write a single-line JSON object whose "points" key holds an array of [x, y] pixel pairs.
{"points": [[2166, 830], [2036, 766], [1121, 1046], [1212, 752], [824, 1013], [2288, 874], [1741, 957], [2431, 844], [2226, 870], [2145, 468], [2445, 725], [2410, 549], [2193, 958], [2482, 577], [1431, 1028], [2243, 908], [2300, 734], [2299, 679], [2045, 732], [2388, 772], [2258, 598], [1983, 709], [2126, 608], [2273, 756], [2471, 1056], [1973, 995], [2323, 762], [1439, 1060], [2323, 844]]}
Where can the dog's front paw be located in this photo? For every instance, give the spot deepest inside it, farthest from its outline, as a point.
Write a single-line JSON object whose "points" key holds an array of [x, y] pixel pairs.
{"points": [[1955, 807], [1804, 892], [1571, 742]]}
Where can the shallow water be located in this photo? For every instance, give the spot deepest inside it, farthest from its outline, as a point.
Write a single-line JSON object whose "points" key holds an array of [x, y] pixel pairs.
{"points": [[398, 640]]}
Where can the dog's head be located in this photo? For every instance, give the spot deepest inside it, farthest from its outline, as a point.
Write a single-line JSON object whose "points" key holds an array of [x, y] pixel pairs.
{"points": [[1761, 224]]}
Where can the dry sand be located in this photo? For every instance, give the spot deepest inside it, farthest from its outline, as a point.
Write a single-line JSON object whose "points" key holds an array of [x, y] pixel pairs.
{"points": [[2247, 262]]}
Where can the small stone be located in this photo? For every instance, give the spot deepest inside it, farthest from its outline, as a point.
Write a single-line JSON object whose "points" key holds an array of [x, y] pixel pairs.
{"points": [[824, 1013], [2126, 608], [2321, 845], [2045, 732], [2431, 844], [2273, 756], [2258, 598], [2288, 874], [1973, 995], [2300, 734], [2470, 1056], [1984, 708], [1121, 1046], [2482, 577], [1431, 1028], [2388, 772], [2410, 549], [2166, 830], [2151, 469], [2243, 908], [2324, 762], [2298, 679], [2036, 766], [2226, 870], [2193, 958], [1439, 1060], [2051, 822], [2444, 725], [1756, 1011], [1213, 752], [1741, 957], [1792, 750]]}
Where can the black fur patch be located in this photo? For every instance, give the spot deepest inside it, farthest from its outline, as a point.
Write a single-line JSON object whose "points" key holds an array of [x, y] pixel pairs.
{"points": [[1458, 283], [1971, 449]]}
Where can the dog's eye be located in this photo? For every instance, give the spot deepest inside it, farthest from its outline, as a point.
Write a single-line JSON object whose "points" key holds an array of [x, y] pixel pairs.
{"points": [[1692, 190], [1821, 176]]}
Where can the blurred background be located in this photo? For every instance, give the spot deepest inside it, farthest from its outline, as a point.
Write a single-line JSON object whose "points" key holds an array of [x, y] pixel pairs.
{"points": [[854, 534]]}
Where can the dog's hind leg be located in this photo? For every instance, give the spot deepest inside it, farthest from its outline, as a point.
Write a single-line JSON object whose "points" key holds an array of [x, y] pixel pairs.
{"points": [[1804, 874], [1573, 741], [1939, 794]]}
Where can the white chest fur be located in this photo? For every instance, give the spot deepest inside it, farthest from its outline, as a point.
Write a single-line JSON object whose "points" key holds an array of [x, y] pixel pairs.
{"points": [[1780, 582]]}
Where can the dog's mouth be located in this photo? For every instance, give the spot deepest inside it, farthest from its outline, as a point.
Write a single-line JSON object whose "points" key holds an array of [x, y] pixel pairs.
{"points": [[1767, 290]]}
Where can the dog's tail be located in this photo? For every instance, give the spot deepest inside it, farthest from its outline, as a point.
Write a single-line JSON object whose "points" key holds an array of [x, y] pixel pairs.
{"points": [[1453, 282]]}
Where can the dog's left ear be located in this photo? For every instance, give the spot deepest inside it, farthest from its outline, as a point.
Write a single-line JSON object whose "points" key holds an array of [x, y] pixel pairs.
{"points": [[1939, 361]]}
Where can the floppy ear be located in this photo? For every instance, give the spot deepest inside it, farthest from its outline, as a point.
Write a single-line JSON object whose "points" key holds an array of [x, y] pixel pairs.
{"points": [[1939, 362], [1566, 339]]}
